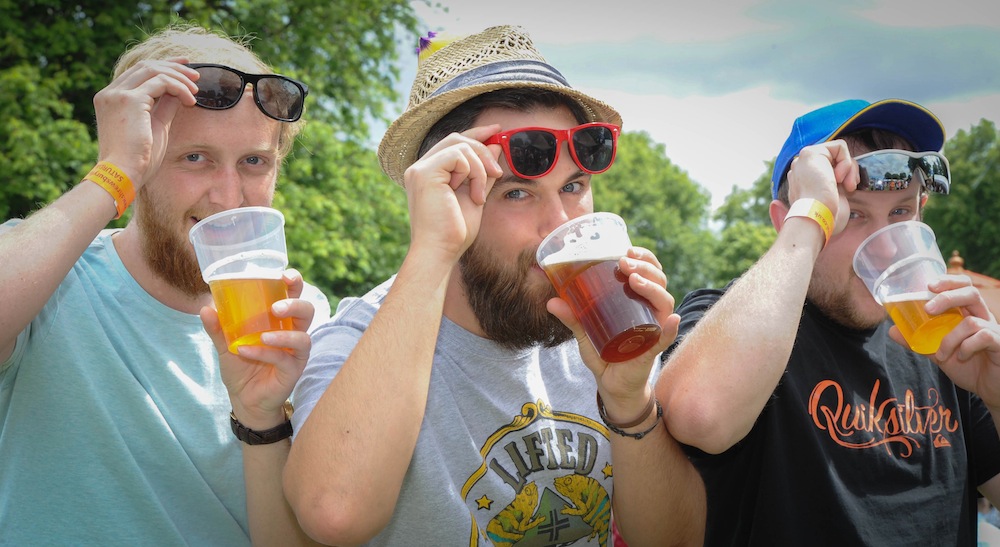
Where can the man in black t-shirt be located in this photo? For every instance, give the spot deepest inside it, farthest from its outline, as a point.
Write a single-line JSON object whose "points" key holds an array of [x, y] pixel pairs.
{"points": [[811, 420]]}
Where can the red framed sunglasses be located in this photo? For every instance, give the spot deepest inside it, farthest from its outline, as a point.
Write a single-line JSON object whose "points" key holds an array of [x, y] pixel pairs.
{"points": [[532, 152]]}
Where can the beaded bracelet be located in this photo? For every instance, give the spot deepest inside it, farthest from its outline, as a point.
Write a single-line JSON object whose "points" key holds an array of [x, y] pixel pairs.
{"points": [[115, 182], [618, 428]]}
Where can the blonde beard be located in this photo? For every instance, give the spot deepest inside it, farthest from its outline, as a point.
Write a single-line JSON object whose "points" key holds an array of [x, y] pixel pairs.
{"points": [[169, 257]]}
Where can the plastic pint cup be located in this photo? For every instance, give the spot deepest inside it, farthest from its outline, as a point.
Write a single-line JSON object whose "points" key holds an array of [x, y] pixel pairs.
{"points": [[580, 258], [897, 263], [242, 256]]}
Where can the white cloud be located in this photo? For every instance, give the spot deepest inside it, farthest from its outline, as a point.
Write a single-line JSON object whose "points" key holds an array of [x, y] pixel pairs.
{"points": [[721, 141], [934, 14], [584, 21], [720, 85]]}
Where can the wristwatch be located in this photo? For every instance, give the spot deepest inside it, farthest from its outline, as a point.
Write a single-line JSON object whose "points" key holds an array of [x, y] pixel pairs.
{"points": [[268, 436]]}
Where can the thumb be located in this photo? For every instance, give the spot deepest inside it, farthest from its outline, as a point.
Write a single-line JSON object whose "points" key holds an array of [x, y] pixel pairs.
{"points": [[166, 108], [898, 336], [210, 320], [561, 310]]}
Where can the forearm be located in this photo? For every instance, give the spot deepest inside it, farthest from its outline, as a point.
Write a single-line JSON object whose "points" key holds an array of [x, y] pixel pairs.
{"points": [[272, 521], [716, 383], [39, 252], [659, 498], [348, 461]]}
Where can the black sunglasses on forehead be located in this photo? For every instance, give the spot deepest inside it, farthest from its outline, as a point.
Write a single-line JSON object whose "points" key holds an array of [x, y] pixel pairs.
{"points": [[221, 87], [893, 169]]}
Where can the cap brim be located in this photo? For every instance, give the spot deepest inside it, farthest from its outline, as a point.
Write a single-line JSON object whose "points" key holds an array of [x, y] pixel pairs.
{"points": [[909, 120]]}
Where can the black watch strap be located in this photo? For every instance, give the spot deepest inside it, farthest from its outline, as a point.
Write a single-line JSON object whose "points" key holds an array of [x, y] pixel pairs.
{"points": [[267, 436]]}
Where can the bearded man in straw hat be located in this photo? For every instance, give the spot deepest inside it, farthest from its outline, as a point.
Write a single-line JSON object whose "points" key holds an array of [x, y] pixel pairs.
{"points": [[453, 403]]}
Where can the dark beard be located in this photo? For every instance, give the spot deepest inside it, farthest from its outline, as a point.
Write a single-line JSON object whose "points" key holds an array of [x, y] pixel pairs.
{"points": [[839, 308], [170, 258], [510, 313]]}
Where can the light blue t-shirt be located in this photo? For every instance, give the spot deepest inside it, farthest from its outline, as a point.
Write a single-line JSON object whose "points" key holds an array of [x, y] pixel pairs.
{"points": [[113, 422]]}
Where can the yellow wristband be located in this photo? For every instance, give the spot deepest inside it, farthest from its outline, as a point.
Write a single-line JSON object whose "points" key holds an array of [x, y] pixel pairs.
{"points": [[814, 209], [106, 175]]}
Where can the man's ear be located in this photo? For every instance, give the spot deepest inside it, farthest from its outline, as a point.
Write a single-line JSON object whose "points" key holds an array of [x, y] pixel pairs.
{"points": [[777, 210]]}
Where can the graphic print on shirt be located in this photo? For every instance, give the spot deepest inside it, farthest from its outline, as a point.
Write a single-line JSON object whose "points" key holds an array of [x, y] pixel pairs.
{"points": [[544, 481], [898, 424]]}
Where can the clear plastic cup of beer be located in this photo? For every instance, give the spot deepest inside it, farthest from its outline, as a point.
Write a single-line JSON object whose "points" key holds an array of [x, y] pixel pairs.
{"points": [[242, 256], [580, 258], [897, 262]]}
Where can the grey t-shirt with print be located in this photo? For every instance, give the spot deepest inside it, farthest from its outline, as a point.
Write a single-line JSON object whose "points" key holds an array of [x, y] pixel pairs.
{"points": [[511, 449]]}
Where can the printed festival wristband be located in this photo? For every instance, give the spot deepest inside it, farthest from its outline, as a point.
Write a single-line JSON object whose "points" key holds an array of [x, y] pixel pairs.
{"points": [[815, 210], [108, 176]]}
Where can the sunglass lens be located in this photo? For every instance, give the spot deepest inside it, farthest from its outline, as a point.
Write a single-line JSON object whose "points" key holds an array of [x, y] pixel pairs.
{"points": [[595, 147], [532, 152], [280, 98], [937, 177], [218, 88], [895, 171]]}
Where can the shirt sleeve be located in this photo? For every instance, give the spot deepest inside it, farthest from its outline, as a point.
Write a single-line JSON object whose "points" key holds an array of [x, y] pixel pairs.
{"points": [[332, 343], [985, 443]]}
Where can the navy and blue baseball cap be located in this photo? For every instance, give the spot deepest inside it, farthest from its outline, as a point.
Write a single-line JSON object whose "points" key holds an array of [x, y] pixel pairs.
{"points": [[909, 120]]}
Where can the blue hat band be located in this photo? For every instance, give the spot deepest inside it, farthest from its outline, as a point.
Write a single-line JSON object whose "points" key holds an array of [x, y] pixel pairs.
{"points": [[505, 72]]}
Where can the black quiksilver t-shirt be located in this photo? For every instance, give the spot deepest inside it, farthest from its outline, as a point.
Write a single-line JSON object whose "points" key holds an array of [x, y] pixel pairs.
{"points": [[862, 443]]}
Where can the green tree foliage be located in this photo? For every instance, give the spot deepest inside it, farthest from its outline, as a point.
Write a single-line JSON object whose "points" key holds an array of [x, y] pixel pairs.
{"points": [[747, 232], [347, 221], [41, 145], [666, 211], [748, 205], [966, 219]]}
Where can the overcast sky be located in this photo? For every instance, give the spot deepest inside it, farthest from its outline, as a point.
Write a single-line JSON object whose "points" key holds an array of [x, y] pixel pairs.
{"points": [[719, 83]]}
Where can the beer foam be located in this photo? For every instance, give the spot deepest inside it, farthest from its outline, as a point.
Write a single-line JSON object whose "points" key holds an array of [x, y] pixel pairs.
{"points": [[565, 256], [261, 273], [587, 244], [259, 264], [908, 297]]}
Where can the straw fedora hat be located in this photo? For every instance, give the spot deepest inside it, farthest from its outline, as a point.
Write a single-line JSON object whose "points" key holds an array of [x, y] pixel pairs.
{"points": [[496, 58]]}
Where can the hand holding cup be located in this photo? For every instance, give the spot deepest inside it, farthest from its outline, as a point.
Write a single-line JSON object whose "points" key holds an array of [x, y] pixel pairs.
{"points": [[897, 263], [242, 255], [581, 260]]}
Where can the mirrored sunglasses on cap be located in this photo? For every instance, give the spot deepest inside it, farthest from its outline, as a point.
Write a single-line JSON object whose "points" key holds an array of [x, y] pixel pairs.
{"points": [[221, 87], [894, 170], [532, 152]]}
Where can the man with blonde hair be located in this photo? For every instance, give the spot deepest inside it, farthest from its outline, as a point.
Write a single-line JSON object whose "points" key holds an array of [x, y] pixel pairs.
{"points": [[117, 392]]}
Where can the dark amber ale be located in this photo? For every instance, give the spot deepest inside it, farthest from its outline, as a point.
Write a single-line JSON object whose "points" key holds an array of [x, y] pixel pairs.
{"points": [[618, 321], [244, 307]]}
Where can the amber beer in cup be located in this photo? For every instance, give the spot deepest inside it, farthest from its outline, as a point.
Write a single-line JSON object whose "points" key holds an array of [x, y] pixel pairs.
{"points": [[242, 257], [244, 306], [580, 258], [897, 262], [920, 329]]}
